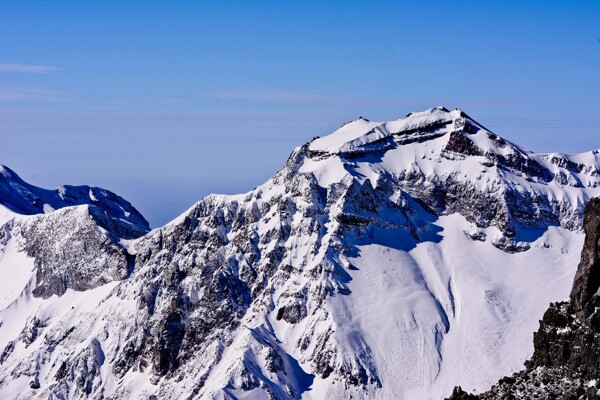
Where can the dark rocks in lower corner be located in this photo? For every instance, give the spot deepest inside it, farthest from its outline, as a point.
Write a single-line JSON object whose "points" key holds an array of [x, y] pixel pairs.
{"points": [[460, 394], [584, 295], [563, 341]]}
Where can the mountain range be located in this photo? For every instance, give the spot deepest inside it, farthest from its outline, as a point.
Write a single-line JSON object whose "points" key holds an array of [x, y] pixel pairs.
{"points": [[387, 260]]}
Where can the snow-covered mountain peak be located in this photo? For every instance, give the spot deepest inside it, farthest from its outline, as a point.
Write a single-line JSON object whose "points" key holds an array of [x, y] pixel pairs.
{"points": [[363, 132], [22, 198], [68, 238], [426, 238], [453, 164], [349, 132], [362, 136]]}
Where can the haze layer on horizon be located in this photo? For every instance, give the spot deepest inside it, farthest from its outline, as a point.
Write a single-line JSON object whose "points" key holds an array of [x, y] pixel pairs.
{"points": [[165, 102]]}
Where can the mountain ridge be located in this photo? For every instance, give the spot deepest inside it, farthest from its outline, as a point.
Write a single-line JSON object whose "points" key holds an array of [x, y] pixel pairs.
{"points": [[22, 198], [428, 238]]}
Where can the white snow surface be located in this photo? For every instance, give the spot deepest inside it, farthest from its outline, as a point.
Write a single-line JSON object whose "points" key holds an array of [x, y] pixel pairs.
{"points": [[403, 302], [419, 315]]}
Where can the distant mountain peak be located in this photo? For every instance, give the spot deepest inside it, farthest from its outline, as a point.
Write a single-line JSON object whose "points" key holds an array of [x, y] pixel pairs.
{"points": [[23, 198], [362, 133]]}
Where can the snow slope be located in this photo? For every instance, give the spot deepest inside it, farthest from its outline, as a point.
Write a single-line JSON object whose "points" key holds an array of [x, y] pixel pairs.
{"points": [[386, 260]]}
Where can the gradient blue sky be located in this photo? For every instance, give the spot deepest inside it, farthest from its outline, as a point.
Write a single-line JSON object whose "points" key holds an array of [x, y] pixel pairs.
{"points": [[164, 102]]}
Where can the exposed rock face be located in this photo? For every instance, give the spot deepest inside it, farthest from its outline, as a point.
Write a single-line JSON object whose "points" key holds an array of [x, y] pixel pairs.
{"points": [[71, 250], [584, 296], [54, 241], [73, 234], [566, 361], [327, 281]]}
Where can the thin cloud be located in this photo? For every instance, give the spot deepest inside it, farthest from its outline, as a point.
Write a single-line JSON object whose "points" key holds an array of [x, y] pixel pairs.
{"points": [[117, 104], [266, 96], [337, 100], [28, 94], [27, 69]]}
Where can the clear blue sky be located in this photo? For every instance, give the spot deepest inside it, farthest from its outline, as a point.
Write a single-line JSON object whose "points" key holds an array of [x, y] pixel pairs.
{"points": [[164, 102]]}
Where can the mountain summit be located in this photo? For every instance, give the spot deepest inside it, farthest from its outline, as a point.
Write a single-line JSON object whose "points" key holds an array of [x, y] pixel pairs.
{"points": [[386, 260], [20, 197]]}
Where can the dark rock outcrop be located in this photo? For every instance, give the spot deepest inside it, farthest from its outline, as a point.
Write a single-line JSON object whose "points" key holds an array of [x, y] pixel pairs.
{"points": [[584, 296], [74, 233], [460, 394], [88, 255]]}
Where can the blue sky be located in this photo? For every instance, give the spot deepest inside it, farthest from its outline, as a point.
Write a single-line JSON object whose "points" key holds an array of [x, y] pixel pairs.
{"points": [[164, 102]]}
